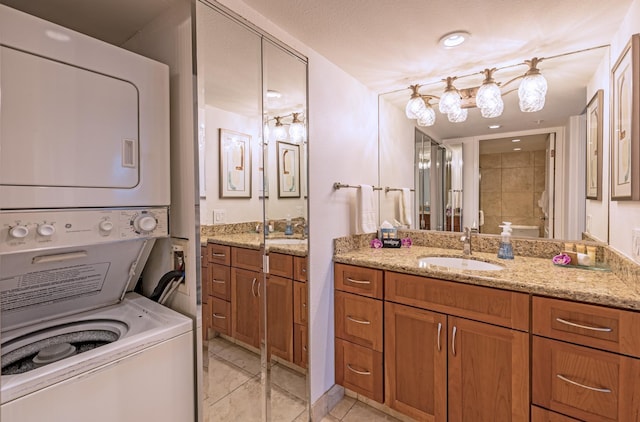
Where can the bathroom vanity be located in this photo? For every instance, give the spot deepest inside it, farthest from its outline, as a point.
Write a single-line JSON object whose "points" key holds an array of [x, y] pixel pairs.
{"points": [[530, 341]]}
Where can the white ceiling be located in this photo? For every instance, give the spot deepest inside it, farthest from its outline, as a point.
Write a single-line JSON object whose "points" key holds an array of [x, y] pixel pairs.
{"points": [[389, 44]]}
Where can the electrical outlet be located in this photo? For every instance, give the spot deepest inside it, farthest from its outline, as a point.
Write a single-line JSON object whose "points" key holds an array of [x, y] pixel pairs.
{"points": [[178, 257], [219, 216], [635, 244]]}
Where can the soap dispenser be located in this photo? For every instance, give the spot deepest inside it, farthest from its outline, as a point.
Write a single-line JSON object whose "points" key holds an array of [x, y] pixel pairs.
{"points": [[288, 229], [506, 249]]}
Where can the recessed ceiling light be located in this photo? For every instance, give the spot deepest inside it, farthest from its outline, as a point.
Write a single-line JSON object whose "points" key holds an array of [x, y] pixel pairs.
{"points": [[495, 127], [517, 149], [453, 39], [515, 140]]}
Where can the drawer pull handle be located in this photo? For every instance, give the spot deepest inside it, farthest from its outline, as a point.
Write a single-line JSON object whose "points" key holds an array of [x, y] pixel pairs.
{"points": [[599, 390], [439, 331], [219, 281], [586, 327], [219, 316], [453, 340], [358, 281], [359, 321], [358, 372], [218, 255]]}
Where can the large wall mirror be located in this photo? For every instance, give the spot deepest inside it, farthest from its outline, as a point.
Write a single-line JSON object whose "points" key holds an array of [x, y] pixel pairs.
{"points": [[252, 122], [515, 170]]}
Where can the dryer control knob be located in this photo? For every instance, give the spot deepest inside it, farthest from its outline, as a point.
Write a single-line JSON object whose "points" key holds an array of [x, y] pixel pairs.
{"points": [[18, 232], [105, 226], [46, 229], [145, 223]]}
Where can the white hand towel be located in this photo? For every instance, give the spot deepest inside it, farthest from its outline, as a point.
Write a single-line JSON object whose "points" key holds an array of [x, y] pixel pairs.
{"points": [[405, 207], [365, 211]]}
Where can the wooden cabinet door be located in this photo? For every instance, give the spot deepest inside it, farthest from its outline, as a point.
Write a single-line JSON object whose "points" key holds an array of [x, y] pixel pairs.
{"points": [[245, 305], [280, 317], [300, 312], [416, 362], [300, 344], [488, 372]]}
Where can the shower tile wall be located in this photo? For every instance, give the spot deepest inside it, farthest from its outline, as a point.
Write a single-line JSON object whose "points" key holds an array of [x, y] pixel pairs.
{"points": [[510, 187]]}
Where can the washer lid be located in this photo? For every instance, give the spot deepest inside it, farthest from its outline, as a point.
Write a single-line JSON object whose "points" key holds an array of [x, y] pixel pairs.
{"points": [[40, 285]]}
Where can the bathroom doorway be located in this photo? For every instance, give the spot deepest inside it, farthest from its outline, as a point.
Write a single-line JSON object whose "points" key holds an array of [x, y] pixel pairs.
{"points": [[517, 184]]}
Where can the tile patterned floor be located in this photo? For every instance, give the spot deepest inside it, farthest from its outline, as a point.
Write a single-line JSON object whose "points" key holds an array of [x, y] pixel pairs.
{"points": [[232, 390]]}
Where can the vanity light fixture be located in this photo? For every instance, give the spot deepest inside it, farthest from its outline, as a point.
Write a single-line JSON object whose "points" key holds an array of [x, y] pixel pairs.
{"points": [[296, 128], [279, 132], [487, 97], [296, 131]]}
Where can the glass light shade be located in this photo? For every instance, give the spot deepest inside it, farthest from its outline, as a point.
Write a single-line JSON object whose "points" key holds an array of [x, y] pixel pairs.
{"points": [[296, 131], [458, 116], [427, 117], [414, 108], [488, 95], [279, 133], [494, 109], [531, 92], [449, 101]]}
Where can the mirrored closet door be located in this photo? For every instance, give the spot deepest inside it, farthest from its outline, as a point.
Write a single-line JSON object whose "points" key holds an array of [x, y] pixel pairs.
{"points": [[252, 110]]}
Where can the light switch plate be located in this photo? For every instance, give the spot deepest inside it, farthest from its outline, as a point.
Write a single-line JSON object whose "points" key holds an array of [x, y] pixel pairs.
{"points": [[219, 216]]}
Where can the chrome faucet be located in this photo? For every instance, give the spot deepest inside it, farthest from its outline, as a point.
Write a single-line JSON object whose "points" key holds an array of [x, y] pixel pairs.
{"points": [[466, 240]]}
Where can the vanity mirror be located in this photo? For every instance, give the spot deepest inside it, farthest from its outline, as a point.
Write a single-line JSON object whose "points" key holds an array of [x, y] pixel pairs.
{"points": [[561, 125], [252, 102]]}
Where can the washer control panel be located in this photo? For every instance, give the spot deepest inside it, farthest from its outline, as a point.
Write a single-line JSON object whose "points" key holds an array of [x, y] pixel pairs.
{"points": [[29, 230]]}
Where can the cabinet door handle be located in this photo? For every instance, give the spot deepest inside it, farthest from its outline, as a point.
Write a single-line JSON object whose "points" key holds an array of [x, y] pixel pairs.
{"points": [[358, 281], [219, 316], [586, 327], [218, 281], [599, 390], [358, 372], [439, 331], [453, 340], [253, 284], [218, 255], [258, 288], [359, 321]]}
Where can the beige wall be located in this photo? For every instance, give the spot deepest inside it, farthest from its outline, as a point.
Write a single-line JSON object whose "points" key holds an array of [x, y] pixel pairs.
{"points": [[510, 186]]}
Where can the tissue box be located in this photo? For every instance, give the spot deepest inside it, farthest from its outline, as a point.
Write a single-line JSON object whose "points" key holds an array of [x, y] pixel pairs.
{"points": [[388, 234]]}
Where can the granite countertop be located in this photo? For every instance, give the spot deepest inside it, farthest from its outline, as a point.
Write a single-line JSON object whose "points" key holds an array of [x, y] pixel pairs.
{"points": [[256, 241], [523, 274]]}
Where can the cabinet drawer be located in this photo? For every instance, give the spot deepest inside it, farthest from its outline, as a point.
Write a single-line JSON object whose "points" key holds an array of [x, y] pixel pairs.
{"points": [[204, 261], [359, 369], [539, 414], [590, 325], [281, 265], [587, 384], [300, 344], [363, 281], [249, 259], [220, 281], [221, 316], [359, 320], [300, 268], [494, 306], [300, 311], [219, 254]]}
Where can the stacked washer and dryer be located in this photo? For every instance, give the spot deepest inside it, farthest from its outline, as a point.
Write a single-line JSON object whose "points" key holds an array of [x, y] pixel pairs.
{"points": [[84, 195]]}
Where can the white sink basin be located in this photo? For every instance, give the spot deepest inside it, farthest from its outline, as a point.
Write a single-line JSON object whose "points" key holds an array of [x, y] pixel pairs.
{"points": [[286, 241], [458, 263]]}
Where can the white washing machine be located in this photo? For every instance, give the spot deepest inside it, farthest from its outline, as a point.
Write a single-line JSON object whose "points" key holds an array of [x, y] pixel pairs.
{"points": [[77, 343]]}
